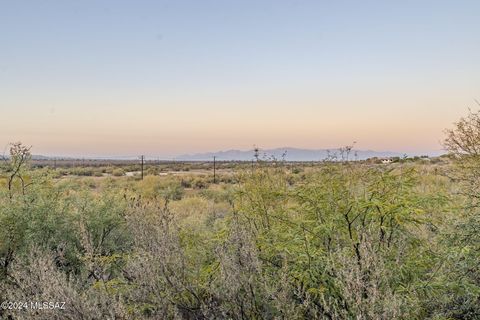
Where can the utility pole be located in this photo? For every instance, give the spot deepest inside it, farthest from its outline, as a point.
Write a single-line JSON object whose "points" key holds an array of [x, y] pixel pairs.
{"points": [[142, 157], [214, 170]]}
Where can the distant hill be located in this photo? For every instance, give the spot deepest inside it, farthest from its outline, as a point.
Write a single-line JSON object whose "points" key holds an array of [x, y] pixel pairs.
{"points": [[291, 154], [40, 157]]}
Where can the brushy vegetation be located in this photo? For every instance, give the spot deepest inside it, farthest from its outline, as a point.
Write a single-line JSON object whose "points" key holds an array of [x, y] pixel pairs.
{"points": [[338, 240]]}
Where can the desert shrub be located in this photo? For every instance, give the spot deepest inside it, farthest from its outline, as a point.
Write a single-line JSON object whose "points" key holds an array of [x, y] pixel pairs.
{"points": [[98, 173], [152, 171], [199, 183], [458, 293], [81, 171], [297, 170], [227, 179], [218, 194], [165, 275], [166, 188], [118, 172], [334, 241], [186, 183], [36, 278], [340, 215]]}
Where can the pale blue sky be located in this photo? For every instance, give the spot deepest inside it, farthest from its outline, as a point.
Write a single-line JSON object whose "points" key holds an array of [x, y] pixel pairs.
{"points": [[168, 77]]}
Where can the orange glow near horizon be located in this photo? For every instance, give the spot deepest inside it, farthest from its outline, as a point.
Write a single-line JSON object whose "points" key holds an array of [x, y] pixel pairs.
{"points": [[404, 126], [123, 78]]}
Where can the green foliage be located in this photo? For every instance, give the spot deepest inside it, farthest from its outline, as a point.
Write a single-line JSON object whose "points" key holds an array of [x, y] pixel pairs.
{"points": [[328, 241], [167, 189], [118, 172]]}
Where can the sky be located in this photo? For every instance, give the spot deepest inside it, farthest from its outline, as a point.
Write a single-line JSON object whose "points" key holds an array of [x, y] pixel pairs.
{"points": [[162, 78]]}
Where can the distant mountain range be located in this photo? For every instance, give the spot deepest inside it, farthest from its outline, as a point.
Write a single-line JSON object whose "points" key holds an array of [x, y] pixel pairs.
{"points": [[289, 154]]}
